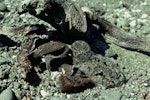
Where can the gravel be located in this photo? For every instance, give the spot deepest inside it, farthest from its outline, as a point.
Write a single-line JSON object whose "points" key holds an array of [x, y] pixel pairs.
{"points": [[111, 95], [130, 15]]}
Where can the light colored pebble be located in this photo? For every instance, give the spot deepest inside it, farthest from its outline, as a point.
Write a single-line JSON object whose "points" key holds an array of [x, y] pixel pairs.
{"points": [[141, 20], [127, 14], [86, 9], [137, 10], [144, 16], [133, 23], [145, 84], [68, 96], [132, 94], [25, 86], [3, 7], [133, 30], [54, 75], [43, 93]]}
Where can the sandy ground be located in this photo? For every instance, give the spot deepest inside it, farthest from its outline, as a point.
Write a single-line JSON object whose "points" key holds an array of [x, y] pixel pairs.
{"points": [[130, 15]]}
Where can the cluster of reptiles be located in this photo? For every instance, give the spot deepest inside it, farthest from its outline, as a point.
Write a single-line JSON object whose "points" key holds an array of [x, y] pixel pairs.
{"points": [[68, 17], [72, 22]]}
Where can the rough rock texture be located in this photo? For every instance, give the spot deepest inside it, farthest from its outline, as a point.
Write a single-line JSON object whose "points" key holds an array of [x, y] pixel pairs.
{"points": [[132, 16]]}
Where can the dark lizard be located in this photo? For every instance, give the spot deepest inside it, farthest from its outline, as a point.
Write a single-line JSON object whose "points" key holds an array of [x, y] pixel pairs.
{"points": [[67, 17]]}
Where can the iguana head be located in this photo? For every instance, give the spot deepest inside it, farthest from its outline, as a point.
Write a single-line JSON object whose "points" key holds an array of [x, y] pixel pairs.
{"points": [[64, 15]]}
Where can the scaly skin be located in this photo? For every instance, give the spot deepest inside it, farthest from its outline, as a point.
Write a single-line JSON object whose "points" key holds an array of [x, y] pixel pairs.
{"points": [[63, 15], [67, 17], [119, 37]]}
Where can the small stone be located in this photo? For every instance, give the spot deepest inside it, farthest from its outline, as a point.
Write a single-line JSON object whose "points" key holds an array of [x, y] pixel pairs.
{"points": [[86, 9], [3, 7], [38, 98], [3, 60], [124, 22], [145, 84], [110, 53], [111, 94], [133, 30], [141, 21], [54, 75], [133, 23], [25, 86], [7, 94], [56, 98], [55, 94], [144, 16], [68, 96], [127, 14], [132, 94], [43, 93], [16, 84]]}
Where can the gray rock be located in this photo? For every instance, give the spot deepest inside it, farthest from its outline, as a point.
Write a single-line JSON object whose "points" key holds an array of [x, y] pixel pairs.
{"points": [[3, 7], [7, 94], [110, 53], [111, 94], [56, 98], [3, 60]]}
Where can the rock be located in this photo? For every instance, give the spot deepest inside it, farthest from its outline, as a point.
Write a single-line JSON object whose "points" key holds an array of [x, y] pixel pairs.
{"points": [[127, 14], [56, 98], [147, 83], [111, 95], [132, 23], [8, 94], [43, 93], [110, 53], [144, 16], [25, 86], [122, 22], [3, 7], [88, 10]]}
